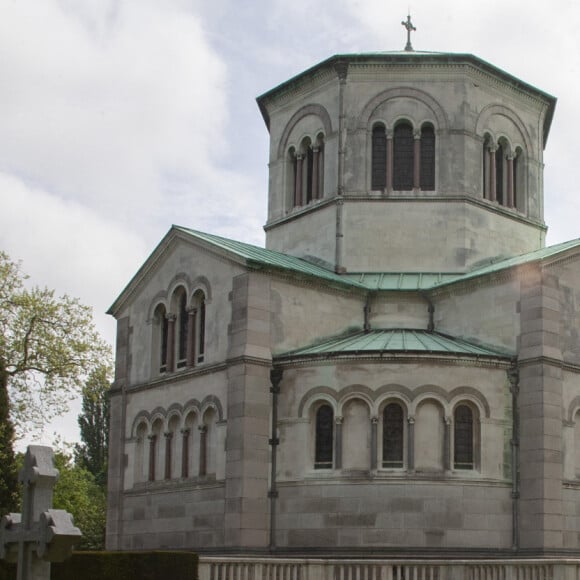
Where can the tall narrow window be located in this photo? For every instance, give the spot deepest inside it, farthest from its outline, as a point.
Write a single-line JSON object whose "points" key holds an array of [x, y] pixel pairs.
{"points": [[393, 433], [463, 438], [182, 331], [324, 437], [379, 158], [198, 345], [309, 173], [427, 171], [499, 175], [160, 330], [403, 156]]}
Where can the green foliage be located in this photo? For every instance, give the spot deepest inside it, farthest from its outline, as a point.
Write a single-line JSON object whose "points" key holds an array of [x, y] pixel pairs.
{"points": [[78, 492], [92, 452], [8, 471], [127, 566], [48, 346]]}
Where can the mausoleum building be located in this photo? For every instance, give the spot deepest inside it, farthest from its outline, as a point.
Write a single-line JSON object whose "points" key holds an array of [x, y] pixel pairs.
{"points": [[398, 371]]}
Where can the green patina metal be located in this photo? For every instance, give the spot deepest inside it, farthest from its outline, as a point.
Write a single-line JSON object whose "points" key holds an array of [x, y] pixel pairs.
{"points": [[396, 341]]}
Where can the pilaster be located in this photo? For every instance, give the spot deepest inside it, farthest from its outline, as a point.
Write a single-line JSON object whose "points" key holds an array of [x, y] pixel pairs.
{"points": [[540, 411], [248, 404]]}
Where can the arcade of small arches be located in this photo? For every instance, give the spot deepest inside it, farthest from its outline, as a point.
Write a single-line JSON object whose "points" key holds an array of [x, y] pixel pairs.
{"points": [[503, 178], [179, 330], [403, 159], [428, 436], [177, 443], [306, 175]]}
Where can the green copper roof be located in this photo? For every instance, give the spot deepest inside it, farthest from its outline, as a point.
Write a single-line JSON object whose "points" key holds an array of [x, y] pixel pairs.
{"points": [[400, 281], [503, 264], [258, 258], [396, 341]]}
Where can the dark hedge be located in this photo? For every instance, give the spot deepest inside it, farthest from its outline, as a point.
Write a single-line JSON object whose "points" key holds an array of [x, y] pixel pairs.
{"points": [[119, 566]]}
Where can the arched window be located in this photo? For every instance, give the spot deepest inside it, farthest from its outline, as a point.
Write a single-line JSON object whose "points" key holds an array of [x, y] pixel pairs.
{"points": [[393, 435], [306, 171], [198, 321], [189, 453], [499, 175], [463, 438], [379, 158], [140, 451], [324, 437], [403, 157], [519, 182], [160, 338], [427, 167], [181, 327], [155, 450], [170, 447]]}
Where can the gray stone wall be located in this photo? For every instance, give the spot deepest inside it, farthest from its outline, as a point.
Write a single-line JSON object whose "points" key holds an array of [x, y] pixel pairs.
{"points": [[396, 514], [173, 518]]}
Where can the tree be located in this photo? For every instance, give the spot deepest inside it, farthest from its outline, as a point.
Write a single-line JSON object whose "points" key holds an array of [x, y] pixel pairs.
{"points": [[8, 471], [48, 346], [77, 492], [92, 453]]}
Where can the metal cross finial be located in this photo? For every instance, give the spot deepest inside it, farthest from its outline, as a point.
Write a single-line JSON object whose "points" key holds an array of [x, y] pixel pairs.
{"points": [[409, 26]]}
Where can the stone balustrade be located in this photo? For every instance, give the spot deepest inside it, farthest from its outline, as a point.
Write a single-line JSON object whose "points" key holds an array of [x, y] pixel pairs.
{"points": [[242, 568]]}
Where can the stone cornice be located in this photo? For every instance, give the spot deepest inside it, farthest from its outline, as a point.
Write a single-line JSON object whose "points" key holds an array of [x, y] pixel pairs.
{"points": [[394, 358], [172, 486]]}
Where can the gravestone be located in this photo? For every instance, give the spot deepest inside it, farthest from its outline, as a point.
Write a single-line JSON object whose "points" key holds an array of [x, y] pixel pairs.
{"points": [[39, 535]]}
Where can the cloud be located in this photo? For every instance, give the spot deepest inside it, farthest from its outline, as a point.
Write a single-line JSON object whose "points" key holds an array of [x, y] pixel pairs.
{"points": [[67, 246], [105, 100]]}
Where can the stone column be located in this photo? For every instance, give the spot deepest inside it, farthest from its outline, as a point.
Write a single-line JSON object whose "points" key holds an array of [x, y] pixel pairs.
{"points": [[185, 452], [191, 346], [374, 443], [411, 443], [152, 453], [168, 453], [338, 442], [492, 175], [417, 162], [315, 172], [202, 450], [510, 181], [389, 161], [171, 342], [540, 404], [298, 185]]}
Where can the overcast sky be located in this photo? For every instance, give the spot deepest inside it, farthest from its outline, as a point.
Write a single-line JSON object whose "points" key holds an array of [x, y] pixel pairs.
{"points": [[120, 118]]}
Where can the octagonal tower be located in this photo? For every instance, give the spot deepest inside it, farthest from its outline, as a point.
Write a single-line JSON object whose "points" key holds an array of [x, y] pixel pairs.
{"points": [[405, 162]]}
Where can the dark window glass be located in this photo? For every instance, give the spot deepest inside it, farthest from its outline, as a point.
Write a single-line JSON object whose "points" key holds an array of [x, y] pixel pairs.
{"points": [[324, 437], [182, 330], [379, 158], [163, 328], [201, 338], [309, 173], [427, 159], [403, 145], [499, 192], [463, 438], [393, 429], [516, 184]]}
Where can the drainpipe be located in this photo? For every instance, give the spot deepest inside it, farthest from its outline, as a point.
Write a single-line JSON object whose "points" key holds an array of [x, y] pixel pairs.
{"points": [[341, 69], [514, 379], [275, 378], [431, 310]]}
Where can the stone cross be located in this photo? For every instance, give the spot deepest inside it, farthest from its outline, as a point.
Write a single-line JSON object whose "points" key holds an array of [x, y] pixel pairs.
{"points": [[409, 26], [40, 535]]}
